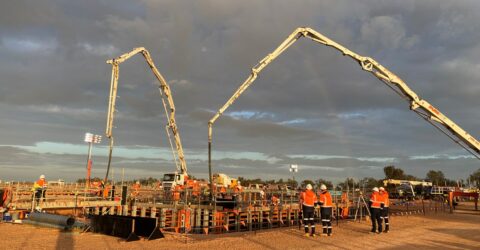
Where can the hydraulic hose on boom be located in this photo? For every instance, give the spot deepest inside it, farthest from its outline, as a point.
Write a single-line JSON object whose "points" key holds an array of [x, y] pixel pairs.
{"points": [[418, 105], [169, 107]]}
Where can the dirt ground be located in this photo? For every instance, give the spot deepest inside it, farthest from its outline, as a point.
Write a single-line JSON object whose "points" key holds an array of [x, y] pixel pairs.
{"points": [[440, 231]]}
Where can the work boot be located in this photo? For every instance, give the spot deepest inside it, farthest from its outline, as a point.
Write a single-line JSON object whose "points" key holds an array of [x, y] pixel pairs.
{"points": [[313, 235], [307, 235], [373, 232]]}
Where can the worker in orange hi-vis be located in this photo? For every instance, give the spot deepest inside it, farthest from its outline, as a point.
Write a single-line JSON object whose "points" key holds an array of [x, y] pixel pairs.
{"points": [[196, 189], [40, 188], [326, 210], [176, 193], [275, 200], [223, 190], [375, 210], [106, 190], [136, 189], [308, 199], [385, 204]]}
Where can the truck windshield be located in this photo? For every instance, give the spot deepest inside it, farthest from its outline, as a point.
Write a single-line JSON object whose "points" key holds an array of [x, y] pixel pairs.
{"points": [[169, 177]]}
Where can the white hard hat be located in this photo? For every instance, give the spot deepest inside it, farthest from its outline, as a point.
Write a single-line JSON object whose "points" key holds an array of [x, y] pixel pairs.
{"points": [[375, 189], [381, 189], [309, 187], [323, 187], [42, 176], [138, 182]]}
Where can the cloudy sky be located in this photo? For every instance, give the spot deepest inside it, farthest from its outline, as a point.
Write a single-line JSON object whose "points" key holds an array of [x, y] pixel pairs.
{"points": [[311, 107]]}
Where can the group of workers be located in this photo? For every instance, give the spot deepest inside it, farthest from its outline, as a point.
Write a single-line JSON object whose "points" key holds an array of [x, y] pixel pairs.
{"points": [[378, 205], [308, 201]]}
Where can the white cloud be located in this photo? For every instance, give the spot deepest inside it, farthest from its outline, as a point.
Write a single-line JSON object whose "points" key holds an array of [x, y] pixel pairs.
{"points": [[248, 114], [441, 156], [99, 50], [388, 32], [181, 82], [294, 121], [56, 109], [325, 168], [29, 45]]}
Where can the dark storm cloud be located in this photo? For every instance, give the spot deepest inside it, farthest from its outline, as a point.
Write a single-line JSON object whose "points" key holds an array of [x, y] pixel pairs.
{"points": [[54, 80]]}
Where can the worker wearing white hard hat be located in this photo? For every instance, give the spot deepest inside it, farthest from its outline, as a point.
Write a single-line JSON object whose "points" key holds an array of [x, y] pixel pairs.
{"points": [[375, 210], [385, 204], [326, 210], [39, 188], [308, 199]]}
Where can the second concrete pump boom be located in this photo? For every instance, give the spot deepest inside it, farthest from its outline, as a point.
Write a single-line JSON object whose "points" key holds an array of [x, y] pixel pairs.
{"points": [[418, 105], [169, 107]]}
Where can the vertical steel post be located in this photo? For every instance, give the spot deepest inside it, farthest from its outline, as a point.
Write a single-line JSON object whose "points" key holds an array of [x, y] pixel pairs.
{"points": [[89, 163]]}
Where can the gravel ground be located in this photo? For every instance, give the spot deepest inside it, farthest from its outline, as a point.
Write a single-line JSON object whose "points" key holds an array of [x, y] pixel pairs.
{"points": [[440, 231]]}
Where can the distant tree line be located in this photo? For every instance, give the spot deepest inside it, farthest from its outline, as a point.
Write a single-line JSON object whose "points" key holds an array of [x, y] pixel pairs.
{"points": [[437, 177]]}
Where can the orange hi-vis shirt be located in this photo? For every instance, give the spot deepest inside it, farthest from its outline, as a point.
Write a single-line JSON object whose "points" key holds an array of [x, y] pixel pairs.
{"points": [[375, 199], [325, 199], [308, 198], [42, 183], [385, 199]]}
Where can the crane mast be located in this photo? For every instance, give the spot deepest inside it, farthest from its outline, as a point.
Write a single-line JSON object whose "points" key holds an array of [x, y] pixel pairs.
{"points": [[168, 105], [418, 105]]}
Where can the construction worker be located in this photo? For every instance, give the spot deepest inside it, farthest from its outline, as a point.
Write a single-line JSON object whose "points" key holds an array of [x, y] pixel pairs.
{"points": [[385, 204], [263, 197], [136, 189], [275, 200], [97, 188], [106, 190], [223, 190], [176, 193], [308, 199], [375, 210], [39, 188], [326, 210], [196, 189], [238, 188]]}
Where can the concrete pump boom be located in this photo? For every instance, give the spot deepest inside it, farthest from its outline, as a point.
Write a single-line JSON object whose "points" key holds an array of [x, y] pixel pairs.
{"points": [[418, 105], [169, 107]]}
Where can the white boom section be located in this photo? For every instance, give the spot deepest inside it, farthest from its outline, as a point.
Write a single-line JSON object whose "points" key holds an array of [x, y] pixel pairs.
{"points": [[164, 92], [418, 105]]}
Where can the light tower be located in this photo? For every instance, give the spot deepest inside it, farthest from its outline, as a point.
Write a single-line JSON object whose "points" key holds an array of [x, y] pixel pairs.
{"points": [[91, 139], [293, 170]]}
